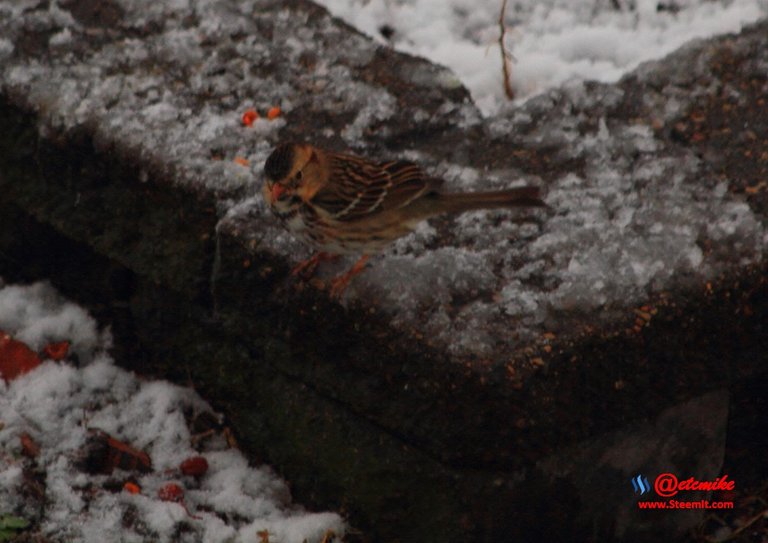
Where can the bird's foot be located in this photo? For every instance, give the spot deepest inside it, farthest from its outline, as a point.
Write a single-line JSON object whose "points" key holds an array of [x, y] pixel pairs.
{"points": [[306, 268], [339, 284]]}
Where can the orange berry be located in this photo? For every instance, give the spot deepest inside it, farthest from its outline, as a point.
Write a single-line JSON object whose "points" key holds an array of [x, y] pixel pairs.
{"points": [[273, 113], [242, 161], [249, 116], [132, 488]]}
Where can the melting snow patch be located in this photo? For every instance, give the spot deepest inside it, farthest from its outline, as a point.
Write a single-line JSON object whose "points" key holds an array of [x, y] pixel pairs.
{"points": [[552, 40], [57, 403], [639, 217]]}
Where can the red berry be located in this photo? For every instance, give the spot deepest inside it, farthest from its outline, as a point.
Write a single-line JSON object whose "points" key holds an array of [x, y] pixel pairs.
{"points": [[195, 466], [249, 116], [171, 492], [57, 351]]}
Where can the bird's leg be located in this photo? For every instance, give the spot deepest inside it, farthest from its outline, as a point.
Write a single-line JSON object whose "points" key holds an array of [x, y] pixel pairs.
{"points": [[306, 268], [340, 283]]}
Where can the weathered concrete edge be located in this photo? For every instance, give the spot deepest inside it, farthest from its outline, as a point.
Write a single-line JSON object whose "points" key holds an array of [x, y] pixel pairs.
{"points": [[336, 459], [422, 496], [210, 269]]}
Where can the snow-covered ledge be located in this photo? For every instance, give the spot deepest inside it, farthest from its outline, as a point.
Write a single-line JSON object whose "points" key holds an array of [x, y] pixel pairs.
{"points": [[471, 360]]}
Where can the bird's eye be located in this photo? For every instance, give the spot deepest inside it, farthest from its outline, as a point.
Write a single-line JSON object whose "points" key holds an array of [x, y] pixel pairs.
{"points": [[299, 175]]}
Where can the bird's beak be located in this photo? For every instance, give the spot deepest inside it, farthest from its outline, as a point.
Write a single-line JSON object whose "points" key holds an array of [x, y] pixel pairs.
{"points": [[276, 192]]}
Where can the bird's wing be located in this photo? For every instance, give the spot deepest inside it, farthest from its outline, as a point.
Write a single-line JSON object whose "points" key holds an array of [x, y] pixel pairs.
{"points": [[357, 188]]}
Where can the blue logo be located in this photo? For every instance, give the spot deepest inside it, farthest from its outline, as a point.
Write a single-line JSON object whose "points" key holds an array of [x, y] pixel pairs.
{"points": [[640, 484]]}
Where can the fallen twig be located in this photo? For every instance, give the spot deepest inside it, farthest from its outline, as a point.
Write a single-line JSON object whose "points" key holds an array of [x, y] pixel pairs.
{"points": [[740, 529]]}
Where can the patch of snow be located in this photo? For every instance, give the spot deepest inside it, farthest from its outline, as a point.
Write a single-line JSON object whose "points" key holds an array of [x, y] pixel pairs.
{"points": [[61, 38], [56, 404], [636, 219], [37, 316], [633, 218], [130, 90], [552, 41], [6, 48], [379, 105]]}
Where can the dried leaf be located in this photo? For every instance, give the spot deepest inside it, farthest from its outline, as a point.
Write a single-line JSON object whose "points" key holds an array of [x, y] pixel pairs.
{"points": [[15, 358]]}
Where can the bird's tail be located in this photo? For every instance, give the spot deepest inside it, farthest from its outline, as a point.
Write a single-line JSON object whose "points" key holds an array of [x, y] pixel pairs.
{"points": [[459, 202]]}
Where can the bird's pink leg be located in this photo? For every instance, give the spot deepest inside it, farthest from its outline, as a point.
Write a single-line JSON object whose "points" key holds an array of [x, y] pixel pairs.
{"points": [[340, 283], [306, 268]]}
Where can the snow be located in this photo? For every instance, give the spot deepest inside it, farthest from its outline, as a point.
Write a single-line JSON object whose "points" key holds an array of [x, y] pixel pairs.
{"points": [[39, 317], [56, 404], [130, 89], [552, 41], [6, 48], [378, 107], [61, 38], [636, 217], [632, 221]]}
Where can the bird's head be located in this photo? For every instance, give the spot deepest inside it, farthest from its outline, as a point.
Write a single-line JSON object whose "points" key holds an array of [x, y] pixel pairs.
{"points": [[293, 170]]}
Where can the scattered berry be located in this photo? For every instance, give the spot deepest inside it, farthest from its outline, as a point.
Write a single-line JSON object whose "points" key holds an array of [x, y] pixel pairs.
{"points": [[171, 492], [273, 113], [131, 488], [195, 466], [249, 116], [57, 351], [29, 448]]}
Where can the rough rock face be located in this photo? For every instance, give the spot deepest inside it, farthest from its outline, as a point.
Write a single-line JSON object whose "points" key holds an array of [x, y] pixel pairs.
{"points": [[473, 358]]}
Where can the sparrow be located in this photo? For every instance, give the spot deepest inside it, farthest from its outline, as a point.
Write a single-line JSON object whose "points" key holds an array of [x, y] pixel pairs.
{"points": [[342, 204]]}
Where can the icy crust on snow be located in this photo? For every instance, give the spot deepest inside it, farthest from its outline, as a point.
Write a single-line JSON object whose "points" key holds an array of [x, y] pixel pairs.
{"points": [[639, 219], [551, 41], [170, 81], [56, 403], [36, 316]]}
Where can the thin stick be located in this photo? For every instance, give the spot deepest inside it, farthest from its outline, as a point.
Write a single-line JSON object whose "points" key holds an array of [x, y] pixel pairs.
{"points": [[505, 64], [741, 528]]}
